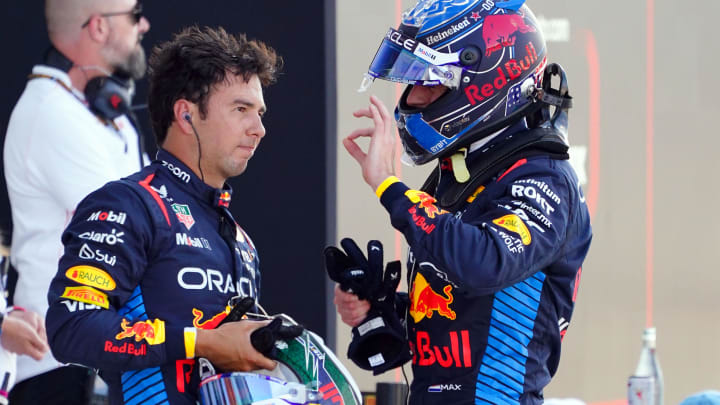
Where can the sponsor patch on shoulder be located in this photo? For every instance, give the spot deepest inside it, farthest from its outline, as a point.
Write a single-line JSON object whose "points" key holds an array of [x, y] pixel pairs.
{"points": [[513, 223], [91, 276], [87, 295]]}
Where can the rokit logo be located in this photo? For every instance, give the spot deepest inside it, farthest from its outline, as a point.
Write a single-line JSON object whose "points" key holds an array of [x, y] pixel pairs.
{"points": [[97, 255], [531, 193], [182, 239], [108, 216], [111, 238]]}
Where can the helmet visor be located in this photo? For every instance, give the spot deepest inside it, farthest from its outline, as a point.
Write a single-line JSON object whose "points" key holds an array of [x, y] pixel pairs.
{"points": [[250, 388], [404, 60]]}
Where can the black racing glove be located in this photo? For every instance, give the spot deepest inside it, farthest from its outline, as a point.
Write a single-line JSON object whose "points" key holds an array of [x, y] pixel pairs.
{"points": [[354, 272], [263, 339], [378, 342]]}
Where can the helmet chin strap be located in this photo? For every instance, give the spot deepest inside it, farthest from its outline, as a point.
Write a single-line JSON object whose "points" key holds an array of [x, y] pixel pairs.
{"points": [[460, 170]]}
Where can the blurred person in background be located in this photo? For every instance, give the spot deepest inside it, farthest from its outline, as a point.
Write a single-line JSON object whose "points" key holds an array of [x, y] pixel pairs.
{"points": [[21, 332], [68, 134], [500, 229]]}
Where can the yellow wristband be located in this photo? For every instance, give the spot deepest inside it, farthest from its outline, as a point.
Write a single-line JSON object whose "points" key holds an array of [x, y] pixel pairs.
{"points": [[190, 335], [385, 184]]}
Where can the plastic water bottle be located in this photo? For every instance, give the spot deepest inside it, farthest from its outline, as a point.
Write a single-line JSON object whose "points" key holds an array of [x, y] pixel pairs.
{"points": [[645, 387]]}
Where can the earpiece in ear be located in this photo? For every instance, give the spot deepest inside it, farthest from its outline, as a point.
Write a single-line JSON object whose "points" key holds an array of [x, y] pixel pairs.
{"points": [[186, 117]]}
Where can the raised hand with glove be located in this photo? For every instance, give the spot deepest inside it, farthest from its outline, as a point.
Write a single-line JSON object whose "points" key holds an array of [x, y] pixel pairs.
{"points": [[366, 292]]}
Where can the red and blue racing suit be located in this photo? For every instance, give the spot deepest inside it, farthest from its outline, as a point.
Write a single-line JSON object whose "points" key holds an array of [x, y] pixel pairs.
{"points": [[148, 258], [492, 285]]}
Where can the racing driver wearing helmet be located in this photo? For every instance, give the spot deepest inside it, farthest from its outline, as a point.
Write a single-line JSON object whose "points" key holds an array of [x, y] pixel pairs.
{"points": [[499, 231]]}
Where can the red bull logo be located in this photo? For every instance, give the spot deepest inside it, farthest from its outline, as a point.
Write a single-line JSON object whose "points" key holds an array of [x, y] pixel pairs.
{"points": [[152, 332], [210, 323], [126, 348], [426, 202], [514, 69], [224, 199], [500, 30], [458, 354], [424, 301]]}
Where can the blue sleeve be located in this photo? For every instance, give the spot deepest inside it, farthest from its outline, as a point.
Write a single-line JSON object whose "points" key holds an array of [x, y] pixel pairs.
{"points": [[517, 229], [107, 245]]}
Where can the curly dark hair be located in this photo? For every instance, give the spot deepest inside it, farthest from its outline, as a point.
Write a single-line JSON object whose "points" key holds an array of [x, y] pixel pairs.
{"points": [[188, 66]]}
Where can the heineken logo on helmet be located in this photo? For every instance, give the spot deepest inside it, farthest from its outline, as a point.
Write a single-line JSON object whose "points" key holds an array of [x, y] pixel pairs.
{"points": [[454, 29]]}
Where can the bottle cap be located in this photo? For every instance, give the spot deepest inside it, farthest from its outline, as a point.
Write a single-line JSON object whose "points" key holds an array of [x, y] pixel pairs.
{"points": [[649, 335]]}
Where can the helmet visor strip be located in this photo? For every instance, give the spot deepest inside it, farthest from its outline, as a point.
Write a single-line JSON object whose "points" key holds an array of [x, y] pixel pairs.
{"points": [[405, 60], [250, 388]]}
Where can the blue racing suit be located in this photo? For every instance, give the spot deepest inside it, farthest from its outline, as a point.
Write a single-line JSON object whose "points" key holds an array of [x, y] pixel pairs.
{"points": [[492, 284], [147, 259]]}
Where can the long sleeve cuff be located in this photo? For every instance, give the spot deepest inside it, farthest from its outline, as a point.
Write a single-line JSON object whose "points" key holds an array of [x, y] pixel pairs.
{"points": [[385, 184], [175, 343]]}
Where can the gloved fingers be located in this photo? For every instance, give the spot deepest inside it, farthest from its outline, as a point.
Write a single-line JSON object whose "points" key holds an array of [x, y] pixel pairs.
{"points": [[375, 264], [239, 309], [391, 279], [335, 262], [287, 332], [263, 339], [357, 257]]}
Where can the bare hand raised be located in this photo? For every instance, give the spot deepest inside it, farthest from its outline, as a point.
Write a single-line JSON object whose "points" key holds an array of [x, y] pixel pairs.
{"points": [[379, 161]]}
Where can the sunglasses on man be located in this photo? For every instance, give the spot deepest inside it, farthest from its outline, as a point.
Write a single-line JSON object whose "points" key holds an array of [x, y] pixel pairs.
{"points": [[135, 14]]}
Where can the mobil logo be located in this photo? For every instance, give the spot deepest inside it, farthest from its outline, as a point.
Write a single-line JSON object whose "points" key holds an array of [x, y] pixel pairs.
{"points": [[500, 30], [424, 301], [109, 216]]}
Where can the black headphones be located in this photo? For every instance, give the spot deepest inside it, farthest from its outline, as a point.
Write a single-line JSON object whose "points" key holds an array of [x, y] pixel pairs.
{"points": [[108, 96]]}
